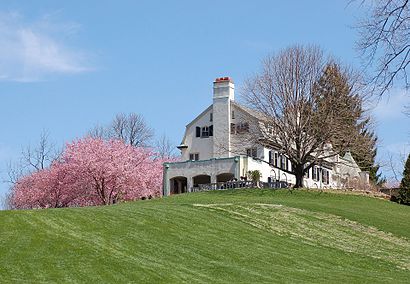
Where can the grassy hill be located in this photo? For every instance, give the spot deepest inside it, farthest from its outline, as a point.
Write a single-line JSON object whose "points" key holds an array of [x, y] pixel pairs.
{"points": [[244, 236]]}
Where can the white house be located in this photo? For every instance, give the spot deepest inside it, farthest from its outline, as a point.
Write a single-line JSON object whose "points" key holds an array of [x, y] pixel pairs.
{"points": [[210, 147]]}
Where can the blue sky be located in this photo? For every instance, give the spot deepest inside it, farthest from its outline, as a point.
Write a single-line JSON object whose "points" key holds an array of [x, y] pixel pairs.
{"points": [[68, 65]]}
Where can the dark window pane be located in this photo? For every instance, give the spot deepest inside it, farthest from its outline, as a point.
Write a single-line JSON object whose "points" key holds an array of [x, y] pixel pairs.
{"points": [[205, 132]]}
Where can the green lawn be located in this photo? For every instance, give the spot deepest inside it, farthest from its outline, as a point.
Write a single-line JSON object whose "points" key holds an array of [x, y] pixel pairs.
{"points": [[240, 236]]}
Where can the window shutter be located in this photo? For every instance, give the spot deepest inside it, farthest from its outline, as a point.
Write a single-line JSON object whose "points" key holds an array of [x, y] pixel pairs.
{"points": [[198, 131], [211, 130]]}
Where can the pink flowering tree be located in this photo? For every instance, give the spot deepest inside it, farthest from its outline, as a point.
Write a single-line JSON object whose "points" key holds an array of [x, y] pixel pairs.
{"points": [[92, 172], [45, 188]]}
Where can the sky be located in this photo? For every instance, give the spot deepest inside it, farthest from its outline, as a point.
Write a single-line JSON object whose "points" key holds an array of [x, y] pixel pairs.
{"points": [[66, 66]]}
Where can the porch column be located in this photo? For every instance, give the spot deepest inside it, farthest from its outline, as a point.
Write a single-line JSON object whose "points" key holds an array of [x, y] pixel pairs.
{"points": [[213, 178], [165, 181], [189, 183]]}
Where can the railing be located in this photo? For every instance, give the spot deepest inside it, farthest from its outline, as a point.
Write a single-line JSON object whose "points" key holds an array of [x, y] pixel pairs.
{"points": [[239, 184]]}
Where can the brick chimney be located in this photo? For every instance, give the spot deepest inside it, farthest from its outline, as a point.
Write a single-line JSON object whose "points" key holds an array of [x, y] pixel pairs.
{"points": [[224, 88]]}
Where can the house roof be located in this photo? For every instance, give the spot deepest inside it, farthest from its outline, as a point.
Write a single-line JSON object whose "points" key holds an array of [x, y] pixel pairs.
{"points": [[256, 114], [199, 116], [349, 158], [192, 122]]}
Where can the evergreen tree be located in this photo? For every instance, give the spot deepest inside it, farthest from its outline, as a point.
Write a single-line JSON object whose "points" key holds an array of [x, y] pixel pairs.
{"points": [[366, 161], [336, 84], [404, 192]]}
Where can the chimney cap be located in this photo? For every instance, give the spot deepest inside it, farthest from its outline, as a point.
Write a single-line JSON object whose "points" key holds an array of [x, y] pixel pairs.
{"points": [[223, 79]]}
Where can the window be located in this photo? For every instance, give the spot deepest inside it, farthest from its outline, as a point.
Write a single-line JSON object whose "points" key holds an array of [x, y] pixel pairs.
{"points": [[242, 127], [233, 128], [194, 156], [252, 152], [283, 162], [233, 114], [239, 128], [276, 159], [307, 173], [211, 117], [270, 158], [205, 132], [316, 171], [198, 131], [314, 176], [325, 176], [211, 130]]}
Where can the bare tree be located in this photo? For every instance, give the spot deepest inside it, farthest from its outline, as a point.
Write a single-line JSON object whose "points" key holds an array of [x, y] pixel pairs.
{"points": [[138, 132], [130, 128], [5, 202], [385, 42], [41, 155], [395, 165], [33, 158], [15, 170], [296, 119], [98, 132], [164, 148]]}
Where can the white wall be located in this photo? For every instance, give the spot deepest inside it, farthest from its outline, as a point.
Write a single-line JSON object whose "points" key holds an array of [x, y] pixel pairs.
{"points": [[203, 146], [190, 169], [222, 97]]}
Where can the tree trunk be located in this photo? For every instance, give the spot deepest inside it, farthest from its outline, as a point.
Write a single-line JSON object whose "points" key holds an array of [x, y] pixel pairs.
{"points": [[299, 173]]}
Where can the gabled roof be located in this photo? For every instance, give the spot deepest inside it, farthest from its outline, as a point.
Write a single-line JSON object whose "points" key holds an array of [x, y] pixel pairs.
{"points": [[251, 112], [199, 116], [193, 121], [349, 158]]}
